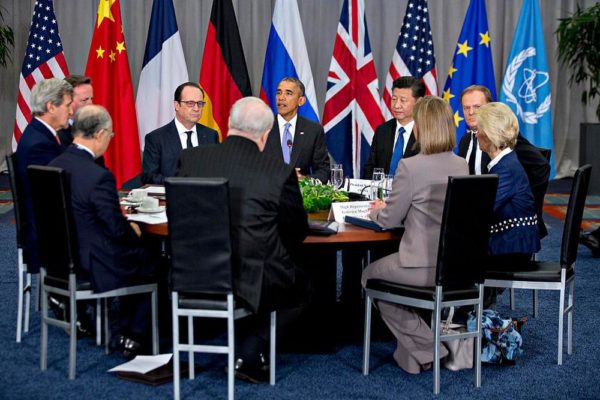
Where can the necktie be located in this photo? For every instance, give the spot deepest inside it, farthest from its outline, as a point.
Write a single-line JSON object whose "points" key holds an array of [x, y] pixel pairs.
{"points": [[286, 143], [473, 155], [398, 150], [57, 139], [188, 142]]}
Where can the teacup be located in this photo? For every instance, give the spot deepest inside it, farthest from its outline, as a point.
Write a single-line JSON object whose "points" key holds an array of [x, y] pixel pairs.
{"points": [[138, 195], [150, 203]]}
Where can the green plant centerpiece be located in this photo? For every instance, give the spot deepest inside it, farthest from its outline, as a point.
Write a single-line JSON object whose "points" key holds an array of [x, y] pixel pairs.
{"points": [[579, 49], [317, 196]]}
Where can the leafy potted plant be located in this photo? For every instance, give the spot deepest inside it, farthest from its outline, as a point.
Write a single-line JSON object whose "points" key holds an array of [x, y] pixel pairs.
{"points": [[7, 40], [578, 39]]}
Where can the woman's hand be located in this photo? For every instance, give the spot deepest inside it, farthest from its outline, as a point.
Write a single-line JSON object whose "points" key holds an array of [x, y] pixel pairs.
{"points": [[376, 205]]}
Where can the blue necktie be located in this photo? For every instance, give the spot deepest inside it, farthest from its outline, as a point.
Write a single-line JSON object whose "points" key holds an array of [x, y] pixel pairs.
{"points": [[286, 143], [398, 150]]}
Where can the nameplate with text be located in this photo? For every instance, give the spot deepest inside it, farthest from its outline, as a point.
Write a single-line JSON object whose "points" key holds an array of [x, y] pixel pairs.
{"points": [[358, 209], [358, 185]]}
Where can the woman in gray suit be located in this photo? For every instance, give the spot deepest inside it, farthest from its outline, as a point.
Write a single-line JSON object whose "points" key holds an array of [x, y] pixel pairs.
{"points": [[417, 200]]}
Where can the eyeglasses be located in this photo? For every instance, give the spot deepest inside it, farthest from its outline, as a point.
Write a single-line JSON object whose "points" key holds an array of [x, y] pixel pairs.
{"points": [[191, 103]]}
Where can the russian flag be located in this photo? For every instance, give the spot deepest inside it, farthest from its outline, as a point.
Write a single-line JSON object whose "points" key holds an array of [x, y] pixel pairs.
{"points": [[164, 69], [286, 56]]}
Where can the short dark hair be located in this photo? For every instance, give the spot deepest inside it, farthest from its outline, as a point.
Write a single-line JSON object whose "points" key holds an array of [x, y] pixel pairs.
{"points": [[473, 88], [77, 80], [296, 81], [177, 96], [417, 86]]}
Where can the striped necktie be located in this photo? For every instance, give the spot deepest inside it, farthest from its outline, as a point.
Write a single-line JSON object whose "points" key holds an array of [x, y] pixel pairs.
{"points": [[398, 150]]}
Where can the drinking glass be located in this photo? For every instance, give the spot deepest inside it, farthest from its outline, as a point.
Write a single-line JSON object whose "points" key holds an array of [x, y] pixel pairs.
{"points": [[337, 176], [376, 182], [386, 187]]}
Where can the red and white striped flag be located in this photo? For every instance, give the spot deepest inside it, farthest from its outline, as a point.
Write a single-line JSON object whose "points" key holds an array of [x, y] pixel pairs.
{"points": [[44, 58], [413, 55]]}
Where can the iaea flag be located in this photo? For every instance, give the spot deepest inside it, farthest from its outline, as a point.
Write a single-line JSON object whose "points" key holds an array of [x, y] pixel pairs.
{"points": [[163, 70], [526, 83], [286, 56]]}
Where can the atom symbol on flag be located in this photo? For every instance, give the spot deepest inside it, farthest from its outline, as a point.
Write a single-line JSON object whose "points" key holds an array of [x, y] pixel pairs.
{"points": [[532, 81]]}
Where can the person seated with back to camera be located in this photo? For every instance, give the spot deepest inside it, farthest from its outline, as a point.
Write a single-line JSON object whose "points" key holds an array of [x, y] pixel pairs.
{"points": [[514, 234], [417, 200], [111, 252]]}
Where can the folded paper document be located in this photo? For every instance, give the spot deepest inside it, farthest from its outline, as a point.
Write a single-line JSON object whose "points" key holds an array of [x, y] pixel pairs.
{"points": [[363, 222]]}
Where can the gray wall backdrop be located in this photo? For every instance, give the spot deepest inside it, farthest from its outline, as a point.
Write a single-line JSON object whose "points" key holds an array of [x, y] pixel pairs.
{"points": [[319, 18]]}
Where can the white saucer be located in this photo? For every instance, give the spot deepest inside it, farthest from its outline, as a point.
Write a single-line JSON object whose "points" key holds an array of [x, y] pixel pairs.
{"points": [[151, 210], [129, 202]]}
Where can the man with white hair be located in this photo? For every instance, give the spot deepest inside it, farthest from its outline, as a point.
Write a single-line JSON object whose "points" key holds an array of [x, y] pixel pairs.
{"points": [[50, 104], [267, 217]]}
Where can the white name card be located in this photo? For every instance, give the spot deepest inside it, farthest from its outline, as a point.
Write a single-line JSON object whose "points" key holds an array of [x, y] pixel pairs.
{"points": [[358, 209], [357, 185]]}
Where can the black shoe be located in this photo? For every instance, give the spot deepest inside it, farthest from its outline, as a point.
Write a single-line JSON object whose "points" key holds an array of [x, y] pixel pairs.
{"points": [[253, 373], [126, 346], [590, 241]]}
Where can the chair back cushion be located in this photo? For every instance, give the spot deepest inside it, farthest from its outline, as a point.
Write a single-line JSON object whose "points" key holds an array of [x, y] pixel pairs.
{"points": [[17, 195], [199, 235], [57, 239], [570, 239], [465, 230]]}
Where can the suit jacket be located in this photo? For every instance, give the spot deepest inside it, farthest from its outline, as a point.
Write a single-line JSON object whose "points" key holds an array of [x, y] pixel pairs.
{"points": [[309, 152], [37, 146], [514, 228], [382, 148], [162, 150], [66, 138], [536, 167], [110, 253], [267, 218], [417, 200]]}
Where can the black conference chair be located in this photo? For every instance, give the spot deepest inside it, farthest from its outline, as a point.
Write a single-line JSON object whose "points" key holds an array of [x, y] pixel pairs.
{"points": [[553, 275], [538, 196], [201, 269], [59, 257], [462, 248], [23, 276]]}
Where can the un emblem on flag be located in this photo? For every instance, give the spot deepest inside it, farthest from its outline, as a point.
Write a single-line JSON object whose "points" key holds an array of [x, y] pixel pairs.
{"points": [[531, 82]]}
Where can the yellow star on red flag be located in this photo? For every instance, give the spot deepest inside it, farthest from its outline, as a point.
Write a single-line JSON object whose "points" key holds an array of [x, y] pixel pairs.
{"points": [[104, 11]]}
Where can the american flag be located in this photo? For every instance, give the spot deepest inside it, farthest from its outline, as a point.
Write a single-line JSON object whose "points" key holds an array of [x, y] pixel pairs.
{"points": [[44, 58], [413, 55], [352, 103]]}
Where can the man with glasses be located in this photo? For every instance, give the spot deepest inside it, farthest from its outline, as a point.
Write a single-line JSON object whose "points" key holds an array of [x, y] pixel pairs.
{"points": [[163, 146]]}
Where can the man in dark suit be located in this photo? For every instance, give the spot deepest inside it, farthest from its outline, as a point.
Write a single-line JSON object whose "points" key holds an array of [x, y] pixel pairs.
{"points": [[50, 104], [163, 146], [268, 221], [110, 249], [536, 165], [388, 146], [298, 141], [83, 95]]}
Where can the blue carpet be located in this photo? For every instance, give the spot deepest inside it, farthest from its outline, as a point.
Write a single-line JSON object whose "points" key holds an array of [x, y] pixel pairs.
{"points": [[320, 376]]}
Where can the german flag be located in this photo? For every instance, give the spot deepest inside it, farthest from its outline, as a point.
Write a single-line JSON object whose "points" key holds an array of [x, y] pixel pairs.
{"points": [[223, 74]]}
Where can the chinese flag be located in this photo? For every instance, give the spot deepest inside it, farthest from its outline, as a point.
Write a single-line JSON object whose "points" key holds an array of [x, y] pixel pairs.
{"points": [[223, 75], [108, 67]]}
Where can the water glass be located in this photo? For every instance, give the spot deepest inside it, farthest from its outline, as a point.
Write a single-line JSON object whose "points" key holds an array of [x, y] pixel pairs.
{"points": [[386, 187], [376, 181], [337, 176]]}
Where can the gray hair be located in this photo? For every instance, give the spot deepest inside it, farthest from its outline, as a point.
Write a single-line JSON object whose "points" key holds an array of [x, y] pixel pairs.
{"points": [[89, 120], [251, 115], [49, 90]]}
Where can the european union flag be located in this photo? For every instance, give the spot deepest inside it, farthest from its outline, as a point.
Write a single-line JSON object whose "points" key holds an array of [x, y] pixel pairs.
{"points": [[526, 83], [472, 62]]}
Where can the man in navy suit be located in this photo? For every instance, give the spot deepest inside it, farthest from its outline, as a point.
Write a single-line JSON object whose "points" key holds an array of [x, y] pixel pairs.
{"points": [[406, 91], [83, 95], [110, 248], [300, 142], [163, 146], [50, 104]]}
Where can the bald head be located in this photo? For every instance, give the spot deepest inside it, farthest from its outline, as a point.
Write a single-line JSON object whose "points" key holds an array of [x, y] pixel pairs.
{"points": [[250, 117], [91, 119]]}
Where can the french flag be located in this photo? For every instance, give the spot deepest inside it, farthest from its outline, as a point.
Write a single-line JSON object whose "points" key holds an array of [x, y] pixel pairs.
{"points": [[286, 56], [164, 69]]}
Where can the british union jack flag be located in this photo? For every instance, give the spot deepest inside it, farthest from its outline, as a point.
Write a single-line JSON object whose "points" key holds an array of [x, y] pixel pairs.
{"points": [[352, 103]]}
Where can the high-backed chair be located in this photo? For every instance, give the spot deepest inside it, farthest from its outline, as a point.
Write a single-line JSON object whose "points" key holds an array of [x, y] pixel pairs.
{"points": [[23, 276], [462, 248], [201, 269], [59, 258], [553, 275]]}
